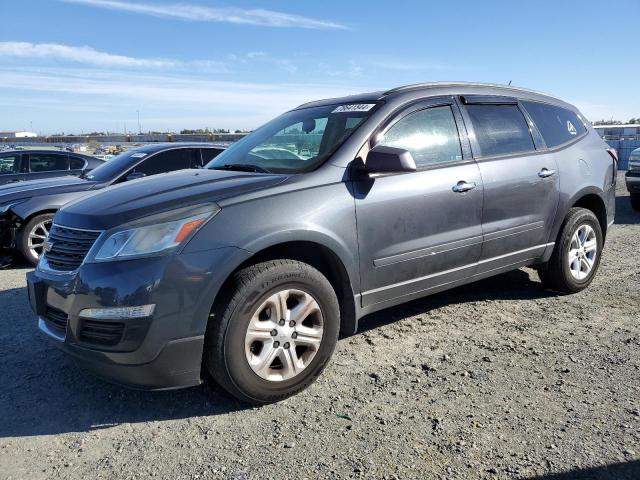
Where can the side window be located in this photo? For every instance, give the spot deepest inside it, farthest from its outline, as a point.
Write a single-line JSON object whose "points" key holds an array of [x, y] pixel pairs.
{"points": [[430, 135], [500, 129], [209, 154], [48, 162], [76, 163], [166, 162], [9, 164], [556, 124]]}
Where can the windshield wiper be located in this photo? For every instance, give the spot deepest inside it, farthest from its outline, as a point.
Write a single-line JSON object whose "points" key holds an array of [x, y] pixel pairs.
{"points": [[241, 167]]}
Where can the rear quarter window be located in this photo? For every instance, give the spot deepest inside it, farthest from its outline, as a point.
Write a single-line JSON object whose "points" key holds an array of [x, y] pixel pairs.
{"points": [[557, 125], [500, 130]]}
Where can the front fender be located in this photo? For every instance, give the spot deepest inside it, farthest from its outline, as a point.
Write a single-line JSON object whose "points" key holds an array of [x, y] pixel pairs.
{"points": [[46, 203]]}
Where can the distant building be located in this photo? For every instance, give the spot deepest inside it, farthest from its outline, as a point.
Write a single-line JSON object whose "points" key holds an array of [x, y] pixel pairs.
{"points": [[624, 138], [619, 132], [18, 134]]}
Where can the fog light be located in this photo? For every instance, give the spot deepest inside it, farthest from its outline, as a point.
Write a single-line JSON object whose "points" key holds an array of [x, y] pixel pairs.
{"points": [[118, 313]]}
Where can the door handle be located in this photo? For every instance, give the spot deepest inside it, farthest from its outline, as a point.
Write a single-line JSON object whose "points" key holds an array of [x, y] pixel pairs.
{"points": [[463, 186], [545, 172]]}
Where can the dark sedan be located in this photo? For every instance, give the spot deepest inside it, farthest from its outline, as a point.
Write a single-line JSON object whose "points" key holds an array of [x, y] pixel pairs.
{"points": [[27, 208], [22, 165]]}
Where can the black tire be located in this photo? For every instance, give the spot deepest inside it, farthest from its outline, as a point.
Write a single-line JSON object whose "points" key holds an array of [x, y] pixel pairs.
{"points": [[556, 274], [224, 353], [23, 236], [635, 202]]}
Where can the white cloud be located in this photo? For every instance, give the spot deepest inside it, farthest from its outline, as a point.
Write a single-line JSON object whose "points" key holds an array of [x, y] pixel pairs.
{"points": [[89, 56], [197, 13], [243, 105]]}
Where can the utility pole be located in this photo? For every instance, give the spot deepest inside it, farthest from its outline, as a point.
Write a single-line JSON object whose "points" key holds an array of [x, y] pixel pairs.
{"points": [[139, 127]]}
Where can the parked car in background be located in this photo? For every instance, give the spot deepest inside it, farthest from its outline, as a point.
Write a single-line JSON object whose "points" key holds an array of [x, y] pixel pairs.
{"points": [[249, 269], [23, 165], [632, 178], [27, 208]]}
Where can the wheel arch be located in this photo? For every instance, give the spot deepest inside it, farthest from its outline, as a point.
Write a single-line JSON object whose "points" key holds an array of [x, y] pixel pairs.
{"points": [[321, 257], [592, 200]]}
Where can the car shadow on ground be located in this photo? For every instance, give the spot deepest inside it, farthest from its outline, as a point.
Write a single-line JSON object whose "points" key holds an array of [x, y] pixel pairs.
{"points": [[625, 215], [514, 285], [617, 471]]}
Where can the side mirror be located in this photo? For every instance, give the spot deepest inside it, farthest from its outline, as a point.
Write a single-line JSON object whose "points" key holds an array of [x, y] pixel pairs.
{"points": [[135, 176], [382, 159]]}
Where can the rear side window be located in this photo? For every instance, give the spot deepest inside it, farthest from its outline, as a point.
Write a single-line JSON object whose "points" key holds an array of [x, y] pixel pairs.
{"points": [[9, 164], [47, 162], [76, 163], [556, 124], [500, 129], [167, 162], [430, 135]]}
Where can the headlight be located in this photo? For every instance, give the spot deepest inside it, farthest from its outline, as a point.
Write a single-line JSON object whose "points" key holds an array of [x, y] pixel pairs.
{"points": [[634, 165], [151, 239]]}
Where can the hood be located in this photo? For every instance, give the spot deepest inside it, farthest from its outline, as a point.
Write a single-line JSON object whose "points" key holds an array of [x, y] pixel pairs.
{"points": [[116, 205], [45, 186]]}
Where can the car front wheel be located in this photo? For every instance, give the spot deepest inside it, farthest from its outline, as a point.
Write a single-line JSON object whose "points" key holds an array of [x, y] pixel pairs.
{"points": [[32, 237], [274, 333], [576, 255]]}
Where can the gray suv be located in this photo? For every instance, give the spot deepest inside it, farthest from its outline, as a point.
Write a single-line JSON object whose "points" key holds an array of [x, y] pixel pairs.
{"points": [[248, 270]]}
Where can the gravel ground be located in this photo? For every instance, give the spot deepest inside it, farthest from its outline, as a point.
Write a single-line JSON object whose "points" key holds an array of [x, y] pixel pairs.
{"points": [[500, 379]]}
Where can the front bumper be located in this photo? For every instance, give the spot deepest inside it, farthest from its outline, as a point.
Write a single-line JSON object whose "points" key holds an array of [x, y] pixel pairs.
{"points": [[159, 352], [632, 180]]}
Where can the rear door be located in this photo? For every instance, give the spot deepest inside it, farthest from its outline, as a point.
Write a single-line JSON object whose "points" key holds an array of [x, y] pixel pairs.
{"points": [[47, 164], [415, 232], [520, 180], [10, 168]]}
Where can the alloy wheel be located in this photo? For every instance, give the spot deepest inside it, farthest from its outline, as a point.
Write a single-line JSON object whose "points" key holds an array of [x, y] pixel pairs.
{"points": [[583, 251], [284, 335]]}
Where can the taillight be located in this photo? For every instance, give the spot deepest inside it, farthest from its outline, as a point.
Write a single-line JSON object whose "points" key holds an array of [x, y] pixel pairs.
{"points": [[614, 155]]}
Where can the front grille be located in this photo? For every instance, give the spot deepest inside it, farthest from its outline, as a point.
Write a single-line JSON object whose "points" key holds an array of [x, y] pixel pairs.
{"points": [[101, 333], [56, 319], [69, 247]]}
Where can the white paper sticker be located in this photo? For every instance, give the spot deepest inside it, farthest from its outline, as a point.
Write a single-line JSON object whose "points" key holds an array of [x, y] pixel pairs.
{"points": [[354, 107], [571, 128], [138, 155]]}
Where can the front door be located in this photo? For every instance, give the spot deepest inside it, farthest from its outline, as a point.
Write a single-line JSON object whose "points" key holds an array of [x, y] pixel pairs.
{"points": [[420, 230]]}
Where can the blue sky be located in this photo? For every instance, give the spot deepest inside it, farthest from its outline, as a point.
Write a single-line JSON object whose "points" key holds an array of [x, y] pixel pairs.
{"points": [[72, 65]]}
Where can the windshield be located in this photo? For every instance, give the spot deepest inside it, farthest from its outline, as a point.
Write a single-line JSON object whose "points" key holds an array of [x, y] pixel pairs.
{"points": [[297, 141], [116, 166]]}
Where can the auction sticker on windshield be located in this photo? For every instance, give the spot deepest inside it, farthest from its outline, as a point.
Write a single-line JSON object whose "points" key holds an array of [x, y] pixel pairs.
{"points": [[354, 107]]}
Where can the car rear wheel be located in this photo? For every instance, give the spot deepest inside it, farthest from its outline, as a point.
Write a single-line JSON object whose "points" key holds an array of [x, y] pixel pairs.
{"points": [[576, 255], [635, 202], [274, 333], [32, 237]]}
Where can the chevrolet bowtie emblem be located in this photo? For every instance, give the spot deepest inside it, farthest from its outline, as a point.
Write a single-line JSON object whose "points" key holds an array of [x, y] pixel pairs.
{"points": [[47, 246]]}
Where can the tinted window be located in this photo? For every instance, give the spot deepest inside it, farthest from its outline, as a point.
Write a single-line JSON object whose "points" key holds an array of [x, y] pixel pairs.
{"points": [[500, 129], [76, 163], [556, 124], [430, 135], [209, 154], [47, 162], [9, 164], [167, 162]]}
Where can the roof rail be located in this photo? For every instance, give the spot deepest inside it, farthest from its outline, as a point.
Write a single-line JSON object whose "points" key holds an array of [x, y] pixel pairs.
{"points": [[420, 86]]}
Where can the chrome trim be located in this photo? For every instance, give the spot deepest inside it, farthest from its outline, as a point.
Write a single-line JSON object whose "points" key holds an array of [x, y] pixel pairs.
{"points": [[78, 229], [42, 262], [44, 328]]}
